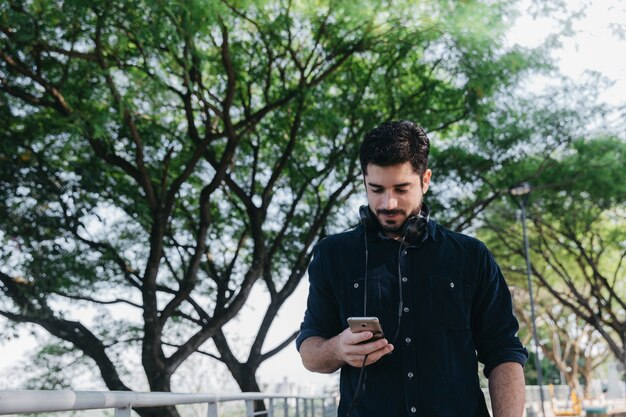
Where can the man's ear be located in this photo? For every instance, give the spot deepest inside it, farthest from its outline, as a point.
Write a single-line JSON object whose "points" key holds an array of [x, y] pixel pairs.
{"points": [[426, 180]]}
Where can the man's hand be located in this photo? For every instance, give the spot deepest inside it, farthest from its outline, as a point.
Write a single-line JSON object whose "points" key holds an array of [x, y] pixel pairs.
{"points": [[352, 351], [328, 355]]}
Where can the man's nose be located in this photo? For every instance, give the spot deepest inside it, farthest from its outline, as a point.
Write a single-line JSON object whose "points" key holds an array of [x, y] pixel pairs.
{"points": [[391, 202]]}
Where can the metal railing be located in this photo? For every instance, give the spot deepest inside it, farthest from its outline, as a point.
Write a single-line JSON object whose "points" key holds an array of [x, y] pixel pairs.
{"points": [[279, 405]]}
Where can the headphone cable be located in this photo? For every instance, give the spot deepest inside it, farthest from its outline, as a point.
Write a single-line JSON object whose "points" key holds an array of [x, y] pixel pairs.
{"points": [[360, 385]]}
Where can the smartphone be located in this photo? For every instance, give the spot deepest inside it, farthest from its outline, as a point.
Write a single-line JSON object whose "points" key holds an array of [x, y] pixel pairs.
{"points": [[362, 324]]}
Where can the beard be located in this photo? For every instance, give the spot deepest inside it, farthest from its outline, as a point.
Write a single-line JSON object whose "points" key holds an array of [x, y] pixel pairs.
{"points": [[390, 228], [394, 227]]}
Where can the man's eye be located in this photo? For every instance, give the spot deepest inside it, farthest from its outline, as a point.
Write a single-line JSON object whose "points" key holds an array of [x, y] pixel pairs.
{"points": [[377, 190], [401, 190]]}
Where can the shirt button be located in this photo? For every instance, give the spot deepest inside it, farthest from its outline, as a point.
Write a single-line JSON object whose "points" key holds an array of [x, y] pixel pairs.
{"points": [[408, 340], [356, 285], [404, 279], [413, 409], [452, 285], [406, 309], [410, 374], [404, 252]]}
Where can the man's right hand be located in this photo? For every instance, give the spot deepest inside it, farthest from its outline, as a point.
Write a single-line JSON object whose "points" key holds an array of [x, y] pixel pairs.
{"points": [[328, 355], [352, 348]]}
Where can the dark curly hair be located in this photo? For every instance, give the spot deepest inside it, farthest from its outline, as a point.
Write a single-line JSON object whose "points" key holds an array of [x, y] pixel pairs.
{"points": [[393, 143]]}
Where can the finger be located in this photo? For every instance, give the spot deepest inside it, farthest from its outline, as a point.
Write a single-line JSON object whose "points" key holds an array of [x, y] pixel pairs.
{"points": [[368, 348], [375, 356], [356, 360], [358, 351], [355, 338]]}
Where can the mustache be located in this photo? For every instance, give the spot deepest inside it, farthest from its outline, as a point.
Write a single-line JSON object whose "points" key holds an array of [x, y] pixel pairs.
{"points": [[389, 212]]}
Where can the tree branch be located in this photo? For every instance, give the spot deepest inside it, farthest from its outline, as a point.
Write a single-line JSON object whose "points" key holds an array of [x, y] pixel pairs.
{"points": [[60, 103]]}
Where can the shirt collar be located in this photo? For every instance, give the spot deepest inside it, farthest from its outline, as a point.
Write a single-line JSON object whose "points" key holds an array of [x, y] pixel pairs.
{"points": [[436, 232]]}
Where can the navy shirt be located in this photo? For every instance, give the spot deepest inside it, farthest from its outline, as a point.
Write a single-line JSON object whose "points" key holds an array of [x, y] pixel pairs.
{"points": [[456, 311]]}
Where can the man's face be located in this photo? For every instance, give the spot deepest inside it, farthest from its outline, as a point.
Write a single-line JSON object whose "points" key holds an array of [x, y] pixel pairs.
{"points": [[394, 193]]}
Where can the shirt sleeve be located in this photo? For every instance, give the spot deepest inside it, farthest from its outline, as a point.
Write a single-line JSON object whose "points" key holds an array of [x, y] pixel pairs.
{"points": [[493, 323], [320, 317]]}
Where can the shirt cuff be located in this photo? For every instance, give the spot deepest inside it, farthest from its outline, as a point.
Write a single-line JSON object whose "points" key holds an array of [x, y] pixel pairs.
{"points": [[517, 357]]}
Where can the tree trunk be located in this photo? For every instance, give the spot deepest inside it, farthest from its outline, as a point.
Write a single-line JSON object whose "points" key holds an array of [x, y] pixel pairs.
{"points": [[159, 383], [245, 376], [157, 412]]}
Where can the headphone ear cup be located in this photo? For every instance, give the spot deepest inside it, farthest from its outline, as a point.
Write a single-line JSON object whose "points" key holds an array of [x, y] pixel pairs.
{"points": [[367, 219], [415, 230]]}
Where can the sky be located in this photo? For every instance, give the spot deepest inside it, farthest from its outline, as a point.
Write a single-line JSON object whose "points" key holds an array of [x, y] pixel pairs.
{"points": [[594, 45]]}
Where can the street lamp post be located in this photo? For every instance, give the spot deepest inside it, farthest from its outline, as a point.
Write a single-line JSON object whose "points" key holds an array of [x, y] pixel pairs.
{"points": [[523, 192]]}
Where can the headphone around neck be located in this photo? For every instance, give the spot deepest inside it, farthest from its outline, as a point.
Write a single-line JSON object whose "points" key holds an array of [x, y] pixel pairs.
{"points": [[414, 230]]}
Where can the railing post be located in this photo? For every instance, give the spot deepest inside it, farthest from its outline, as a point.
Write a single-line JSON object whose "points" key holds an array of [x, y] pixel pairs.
{"points": [[270, 411], [286, 408], [297, 407], [249, 408], [212, 409], [122, 412]]}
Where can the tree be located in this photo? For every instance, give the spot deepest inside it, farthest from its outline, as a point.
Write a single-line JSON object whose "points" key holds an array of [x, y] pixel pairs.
{"points": [[574, 347], [166, 157], [577, 233]]}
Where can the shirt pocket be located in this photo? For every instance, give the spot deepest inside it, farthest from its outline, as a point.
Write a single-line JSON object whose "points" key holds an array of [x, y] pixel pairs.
{"points": [[449, 302], [353, 300]]}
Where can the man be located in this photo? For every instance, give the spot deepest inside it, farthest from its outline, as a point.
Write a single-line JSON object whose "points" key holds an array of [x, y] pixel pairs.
{"points": [[440, 297]]}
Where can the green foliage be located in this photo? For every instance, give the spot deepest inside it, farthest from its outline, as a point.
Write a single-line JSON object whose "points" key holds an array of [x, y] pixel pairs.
{"points": [[576, 230], [549, 372], [56, 366], [167, 156]]}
